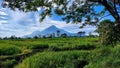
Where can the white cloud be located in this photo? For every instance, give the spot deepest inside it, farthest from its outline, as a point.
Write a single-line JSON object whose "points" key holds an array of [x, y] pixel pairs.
{"points": [[4, 18], [21, 23], [2, 21], [3, 13]]}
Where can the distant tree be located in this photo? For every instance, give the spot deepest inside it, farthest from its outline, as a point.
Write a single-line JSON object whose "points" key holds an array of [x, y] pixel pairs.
{"points": [[5, 38], [50, 36], [13, 37], [19, 38], [58, 33], [64, 35], [44, 36], [35, 37], [28, 38], [53, 35], [91, 35], [81, 33], [39, 36]]}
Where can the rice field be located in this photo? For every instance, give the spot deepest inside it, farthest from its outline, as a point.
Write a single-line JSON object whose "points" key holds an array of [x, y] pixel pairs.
{"points": [[58, 53]]}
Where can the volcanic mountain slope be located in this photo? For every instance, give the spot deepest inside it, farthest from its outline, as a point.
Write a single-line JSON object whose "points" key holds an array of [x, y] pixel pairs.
{"points": [[50, 30]]}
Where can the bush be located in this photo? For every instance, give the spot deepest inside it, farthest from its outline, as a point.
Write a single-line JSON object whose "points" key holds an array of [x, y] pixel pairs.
{"points": [[8, 63], [105, 57], [85, 47], [59, 47], [9, 50], [54, 48], [38, 46]]}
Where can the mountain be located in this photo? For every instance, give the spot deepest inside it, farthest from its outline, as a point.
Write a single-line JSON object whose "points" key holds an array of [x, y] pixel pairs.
{"points": [[53, 29], [50, 30]]}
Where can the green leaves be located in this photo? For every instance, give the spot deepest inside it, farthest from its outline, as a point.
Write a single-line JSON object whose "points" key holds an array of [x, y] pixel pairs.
{"points": [[72, 11], [109, 33]]}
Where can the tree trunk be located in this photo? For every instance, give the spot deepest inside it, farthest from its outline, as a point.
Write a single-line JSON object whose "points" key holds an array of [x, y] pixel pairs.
{"points": [[113, 10]]}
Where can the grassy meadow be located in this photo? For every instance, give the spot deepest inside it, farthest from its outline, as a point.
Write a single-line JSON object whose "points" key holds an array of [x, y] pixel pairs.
{"points": [[72, 52]]}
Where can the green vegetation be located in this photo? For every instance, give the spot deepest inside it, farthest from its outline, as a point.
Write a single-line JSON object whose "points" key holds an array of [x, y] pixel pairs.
{"points": [[38, 46], [65, 59], [71, 11], [9, 49], [59, 53], [16, 46], [87, 50], [109, 34], [104, 57], [8, 63]]}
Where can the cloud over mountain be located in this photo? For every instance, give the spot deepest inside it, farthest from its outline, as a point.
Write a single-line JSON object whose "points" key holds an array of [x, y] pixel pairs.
{"points": [[20, 23]]}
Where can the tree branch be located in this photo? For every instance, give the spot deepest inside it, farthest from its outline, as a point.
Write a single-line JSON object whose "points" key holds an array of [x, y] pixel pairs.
{"points": [[116, 9], [110, 9], [104, 17]]}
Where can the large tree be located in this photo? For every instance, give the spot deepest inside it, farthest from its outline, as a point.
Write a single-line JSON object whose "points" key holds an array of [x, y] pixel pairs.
{"points": [[71, 10], [107, 33]]}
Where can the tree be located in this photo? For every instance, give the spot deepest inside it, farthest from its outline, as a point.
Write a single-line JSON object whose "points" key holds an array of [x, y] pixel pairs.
{"points": [[109, 34], [58, 33], [51, 35], [13, 37], [35, 37], [64, 35], [71, 10], [81, 33], [44, 36]]}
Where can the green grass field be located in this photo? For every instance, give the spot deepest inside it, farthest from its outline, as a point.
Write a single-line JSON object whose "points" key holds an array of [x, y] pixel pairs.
{"points": [[58, 53]]}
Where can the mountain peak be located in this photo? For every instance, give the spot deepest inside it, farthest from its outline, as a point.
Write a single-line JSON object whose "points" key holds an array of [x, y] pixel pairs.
{"points": [[52, 27], [50, 30]]}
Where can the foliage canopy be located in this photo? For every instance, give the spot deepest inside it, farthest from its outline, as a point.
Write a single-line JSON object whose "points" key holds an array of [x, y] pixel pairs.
{"points": [[108, 32], [70, 10]]}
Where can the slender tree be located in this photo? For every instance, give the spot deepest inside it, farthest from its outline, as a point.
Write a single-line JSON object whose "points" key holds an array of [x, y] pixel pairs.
{"points": [[81, 33], [58, 33], [64, 35]]}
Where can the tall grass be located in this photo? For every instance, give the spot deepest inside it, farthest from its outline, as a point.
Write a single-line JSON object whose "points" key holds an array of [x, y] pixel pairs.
{"points": [[104, 57], [66, 59], [9, 49]]}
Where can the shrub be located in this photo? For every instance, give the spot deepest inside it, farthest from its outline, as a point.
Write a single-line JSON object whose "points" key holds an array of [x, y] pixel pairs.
{"points": [[54, 48], [71, 47], [9, 50], [38, 46], [8, 63], [85, 47], [105, 57]]}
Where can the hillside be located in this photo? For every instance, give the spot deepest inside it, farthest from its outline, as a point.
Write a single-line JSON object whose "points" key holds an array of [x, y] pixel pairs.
{"points": [[51, 30]]}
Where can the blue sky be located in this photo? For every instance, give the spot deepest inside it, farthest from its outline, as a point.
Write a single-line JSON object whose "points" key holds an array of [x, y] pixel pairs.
{"points": [[19, 23]]}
